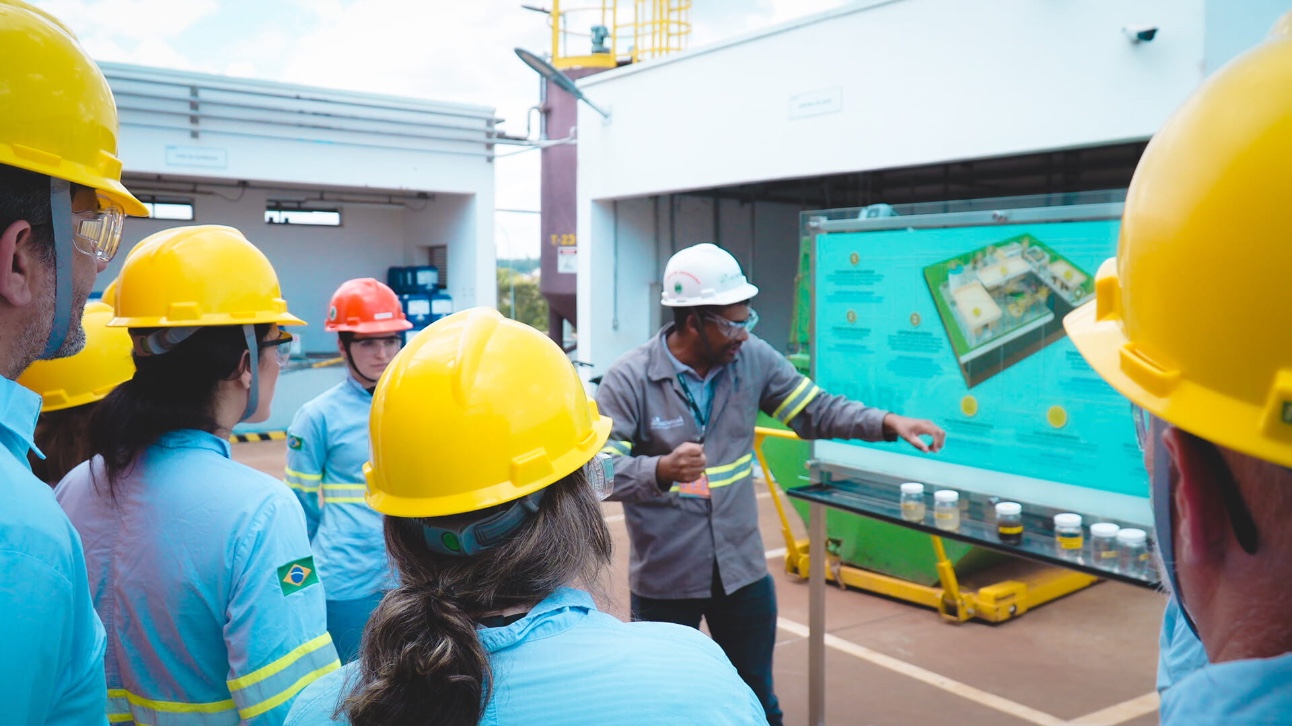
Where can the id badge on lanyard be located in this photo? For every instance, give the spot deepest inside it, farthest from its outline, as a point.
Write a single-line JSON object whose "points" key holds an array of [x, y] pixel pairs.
{"points": [[698, 489]]}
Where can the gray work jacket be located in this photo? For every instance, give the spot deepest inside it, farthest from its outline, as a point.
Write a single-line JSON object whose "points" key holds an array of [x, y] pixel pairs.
{"points": [[676, 540]]}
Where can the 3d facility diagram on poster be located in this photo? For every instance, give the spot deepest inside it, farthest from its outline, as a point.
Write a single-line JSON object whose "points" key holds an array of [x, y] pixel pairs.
{"points": [[964, 326], [1003, 302]]}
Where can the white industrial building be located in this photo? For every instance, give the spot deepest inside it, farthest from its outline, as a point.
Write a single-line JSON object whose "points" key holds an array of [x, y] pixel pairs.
{"points": [[386, 181], [875, 102]]}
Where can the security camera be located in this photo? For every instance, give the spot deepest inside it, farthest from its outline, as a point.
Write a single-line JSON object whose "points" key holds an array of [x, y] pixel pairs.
{"points": [[1140, 33]]}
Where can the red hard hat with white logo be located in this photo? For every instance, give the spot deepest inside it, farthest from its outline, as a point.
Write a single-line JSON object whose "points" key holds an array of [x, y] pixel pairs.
{"points": [[365, 306], [704, 274]]}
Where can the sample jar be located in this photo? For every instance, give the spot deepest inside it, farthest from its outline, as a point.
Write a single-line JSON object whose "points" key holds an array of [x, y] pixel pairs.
{"points": [[1009, 522], [913, 502], [946, 509], [1067, 535], [1104, 550], [1133, 544]]}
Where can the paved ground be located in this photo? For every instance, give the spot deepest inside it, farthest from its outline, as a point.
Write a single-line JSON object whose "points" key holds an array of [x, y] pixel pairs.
{"points": [[1089, 658]]}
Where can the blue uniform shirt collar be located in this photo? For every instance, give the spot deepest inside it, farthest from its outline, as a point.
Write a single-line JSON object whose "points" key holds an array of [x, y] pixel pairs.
{"points": [[356, 387], [194, 439], [556, 613], [19, 409], [1242, 691]]}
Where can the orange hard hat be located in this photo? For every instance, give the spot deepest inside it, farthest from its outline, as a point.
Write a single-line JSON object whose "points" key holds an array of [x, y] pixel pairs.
{"points": [[365, 306]]}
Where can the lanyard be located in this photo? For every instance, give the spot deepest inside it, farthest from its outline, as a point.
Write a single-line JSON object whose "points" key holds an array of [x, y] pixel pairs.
{"points": [[701, 417]]}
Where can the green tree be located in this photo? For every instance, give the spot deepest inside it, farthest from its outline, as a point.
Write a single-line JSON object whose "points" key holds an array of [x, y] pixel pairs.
{"points": [[530, 305]]}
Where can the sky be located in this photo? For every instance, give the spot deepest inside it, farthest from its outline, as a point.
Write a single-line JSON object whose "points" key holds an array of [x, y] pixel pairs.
{"points": [[445, 50]]}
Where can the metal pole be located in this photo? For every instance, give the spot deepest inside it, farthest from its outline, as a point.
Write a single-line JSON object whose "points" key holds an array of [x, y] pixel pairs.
{"points": [[816, 614]]}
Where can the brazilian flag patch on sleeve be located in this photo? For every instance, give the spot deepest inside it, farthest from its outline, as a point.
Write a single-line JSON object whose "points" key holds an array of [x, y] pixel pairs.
{"points": [[294, 442], [297, 575]]}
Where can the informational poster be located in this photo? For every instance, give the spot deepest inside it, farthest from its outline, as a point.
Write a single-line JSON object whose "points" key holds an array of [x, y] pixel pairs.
{"points": [[964, 326]]}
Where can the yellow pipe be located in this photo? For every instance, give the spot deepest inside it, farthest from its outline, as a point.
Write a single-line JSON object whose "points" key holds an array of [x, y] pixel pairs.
{"points": [[556, 30]]}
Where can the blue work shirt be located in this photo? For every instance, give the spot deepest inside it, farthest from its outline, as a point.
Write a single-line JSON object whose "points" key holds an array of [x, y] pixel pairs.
{"points": [[701, 389], [1247, 692], [51, 655], [1179, 650], [327, 446], [201, 570], [567, 663]]}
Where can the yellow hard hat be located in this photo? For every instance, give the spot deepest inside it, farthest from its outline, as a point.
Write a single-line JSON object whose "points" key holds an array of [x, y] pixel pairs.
{"points": [[90, 375], [59, 119], [198, 276], [476, 410], [1191, 320], [109, 297]]}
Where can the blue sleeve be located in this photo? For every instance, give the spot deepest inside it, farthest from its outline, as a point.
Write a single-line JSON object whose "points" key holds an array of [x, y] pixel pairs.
{"points": [[306, 455], [276, 624], [51, 656]]}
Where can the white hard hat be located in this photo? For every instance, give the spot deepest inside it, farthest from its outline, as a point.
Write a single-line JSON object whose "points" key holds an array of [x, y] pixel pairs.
{"points": [[704, 274]]}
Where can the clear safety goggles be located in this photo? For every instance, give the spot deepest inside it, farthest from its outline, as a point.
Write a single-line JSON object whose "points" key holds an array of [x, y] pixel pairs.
{"points": [[372, 345], [732, 328], [98, 233], [281, 345]]}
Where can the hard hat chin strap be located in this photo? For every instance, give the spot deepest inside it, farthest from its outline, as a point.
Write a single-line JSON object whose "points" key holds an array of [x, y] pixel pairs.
{"points": [[253, 347], [60, 210]]}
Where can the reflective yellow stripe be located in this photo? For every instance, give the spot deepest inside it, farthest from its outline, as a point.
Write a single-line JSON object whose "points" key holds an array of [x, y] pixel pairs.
{"points": [[278, 700], [732, 479], [346, 500], [790, 398], [799, 408], [301, 487], [120, 717], [177, 707], [621, 448], [302, 475], [345, 486], [728, 467], [281, 664]]}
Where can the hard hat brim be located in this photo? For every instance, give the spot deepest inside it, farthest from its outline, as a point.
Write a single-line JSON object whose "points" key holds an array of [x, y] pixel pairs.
{"points": [[740, 294], [474, 501], [1239, 425]]}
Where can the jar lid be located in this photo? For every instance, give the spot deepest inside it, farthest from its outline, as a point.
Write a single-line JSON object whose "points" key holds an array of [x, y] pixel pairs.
{"points": [[1104, 529], [1009, 509], [1132, 536], [946, 495], [912, 487], [1067, 519]]}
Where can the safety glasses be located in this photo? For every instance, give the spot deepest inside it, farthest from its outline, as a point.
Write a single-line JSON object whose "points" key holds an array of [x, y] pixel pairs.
{"points": [[732, 328], [1240, 516], [98, 233], [280, 346]]}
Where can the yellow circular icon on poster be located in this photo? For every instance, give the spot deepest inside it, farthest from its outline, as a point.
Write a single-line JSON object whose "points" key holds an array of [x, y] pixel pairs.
{"points": [[1057, 417], [852, 316], [969, 406], [854, 258], [916, 320]]}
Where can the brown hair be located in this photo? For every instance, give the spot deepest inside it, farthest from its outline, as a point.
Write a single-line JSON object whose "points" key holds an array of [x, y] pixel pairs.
{"points": [[421, 661], [64, 437]]}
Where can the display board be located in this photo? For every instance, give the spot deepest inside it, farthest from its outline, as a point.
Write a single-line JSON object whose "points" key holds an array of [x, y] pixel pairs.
{"points": [[964, 325]]}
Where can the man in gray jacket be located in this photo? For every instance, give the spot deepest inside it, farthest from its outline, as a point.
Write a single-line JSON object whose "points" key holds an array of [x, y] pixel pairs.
{"points": [[684, 406]]}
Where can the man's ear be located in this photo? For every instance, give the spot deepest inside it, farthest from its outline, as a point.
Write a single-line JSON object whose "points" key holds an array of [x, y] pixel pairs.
{"points": [[1202, 527], [18, 264]]}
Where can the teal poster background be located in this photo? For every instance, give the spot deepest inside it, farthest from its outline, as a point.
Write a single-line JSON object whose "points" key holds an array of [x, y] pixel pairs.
{"points": [[1013, 393]]}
